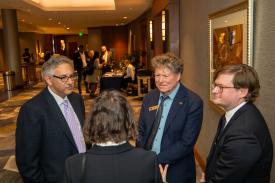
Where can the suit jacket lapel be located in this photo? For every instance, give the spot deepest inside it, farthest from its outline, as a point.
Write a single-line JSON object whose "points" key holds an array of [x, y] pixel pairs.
{"points": [[213, 146], [61, 119], [235, 117], [176, 105], [227, 127]]}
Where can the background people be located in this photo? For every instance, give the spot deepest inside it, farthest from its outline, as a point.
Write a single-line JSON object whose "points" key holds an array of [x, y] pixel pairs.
{"points": [[106, 59], [90, 69], [112, 158], [49, 125], [242, 149], [80, 65], [170, 120], [130, 74], [48, 55], [26, 56], [95, 78]]}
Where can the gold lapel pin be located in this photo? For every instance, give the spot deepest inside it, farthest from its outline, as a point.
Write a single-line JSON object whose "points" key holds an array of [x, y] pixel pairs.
{"points": [[152, 108]]}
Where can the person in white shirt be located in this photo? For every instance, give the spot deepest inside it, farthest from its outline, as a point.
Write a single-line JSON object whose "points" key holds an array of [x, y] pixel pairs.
{"points": [[105, 59], [129, 76]]}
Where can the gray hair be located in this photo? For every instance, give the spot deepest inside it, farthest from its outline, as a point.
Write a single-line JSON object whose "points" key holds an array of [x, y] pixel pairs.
{"points": [[49, 66], [168, 60]]}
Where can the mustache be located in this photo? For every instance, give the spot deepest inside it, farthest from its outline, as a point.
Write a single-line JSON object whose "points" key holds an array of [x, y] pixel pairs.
{"points": [[70, 86]]}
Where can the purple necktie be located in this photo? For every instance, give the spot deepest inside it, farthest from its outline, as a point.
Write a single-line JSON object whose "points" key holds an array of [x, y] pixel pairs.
{"points": [[74, 127]]}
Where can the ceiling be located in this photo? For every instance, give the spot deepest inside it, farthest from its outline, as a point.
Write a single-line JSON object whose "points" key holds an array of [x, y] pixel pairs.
{"points": [[49, 19]]}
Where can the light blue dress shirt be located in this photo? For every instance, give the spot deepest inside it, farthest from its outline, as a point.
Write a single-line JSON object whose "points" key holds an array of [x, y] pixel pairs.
{"points": [[166, 108]]}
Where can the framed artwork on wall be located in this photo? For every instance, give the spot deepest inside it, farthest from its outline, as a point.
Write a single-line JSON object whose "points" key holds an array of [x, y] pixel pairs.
{"points": [[230, 38]]}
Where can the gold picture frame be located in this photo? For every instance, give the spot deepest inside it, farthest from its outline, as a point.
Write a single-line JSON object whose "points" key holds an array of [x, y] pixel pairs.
{"points": [[230, 38]]}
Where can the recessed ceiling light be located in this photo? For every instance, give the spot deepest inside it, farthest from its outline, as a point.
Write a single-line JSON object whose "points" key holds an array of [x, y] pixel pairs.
{"points": [[116, 24], [58, 22], [68, 28], [50, 19], [225, 21], [125, 17]]}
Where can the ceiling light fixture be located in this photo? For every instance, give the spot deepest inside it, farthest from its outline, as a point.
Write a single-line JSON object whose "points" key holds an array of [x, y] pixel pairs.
{"points": [[73, 5]]}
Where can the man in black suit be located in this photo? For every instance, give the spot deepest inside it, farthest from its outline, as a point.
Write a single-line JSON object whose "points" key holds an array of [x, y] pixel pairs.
{"points": [[49, 125], [80, 65], [174, 137], [242, 149]]}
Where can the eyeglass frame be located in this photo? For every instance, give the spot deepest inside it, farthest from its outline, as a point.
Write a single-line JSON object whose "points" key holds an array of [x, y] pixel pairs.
{"points": [[221, 87], [65, 78]]}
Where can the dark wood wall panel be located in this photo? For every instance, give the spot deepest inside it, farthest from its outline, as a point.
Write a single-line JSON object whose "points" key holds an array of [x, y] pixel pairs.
{"points": [[117, 38]]}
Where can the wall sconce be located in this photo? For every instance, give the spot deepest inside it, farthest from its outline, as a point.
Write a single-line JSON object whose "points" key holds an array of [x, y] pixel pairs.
{"points": [[163, 26]]}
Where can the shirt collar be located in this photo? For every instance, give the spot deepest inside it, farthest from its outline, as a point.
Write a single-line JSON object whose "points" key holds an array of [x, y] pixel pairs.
{"points": [[173, 93], [57, 98], [110, 143], [229, 114]]}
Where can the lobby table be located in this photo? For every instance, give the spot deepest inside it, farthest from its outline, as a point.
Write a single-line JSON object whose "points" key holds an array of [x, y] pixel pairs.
{"points": [[111, 81]]}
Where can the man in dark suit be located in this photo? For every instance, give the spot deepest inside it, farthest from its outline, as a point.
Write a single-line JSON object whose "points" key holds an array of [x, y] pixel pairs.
{"points": [[242, 149], [49, 125], [80, 65], [173, 132]]}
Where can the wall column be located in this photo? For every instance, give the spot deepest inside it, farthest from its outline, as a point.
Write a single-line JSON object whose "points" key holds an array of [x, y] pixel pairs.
{"points": [[11, 44], [174, 29]]}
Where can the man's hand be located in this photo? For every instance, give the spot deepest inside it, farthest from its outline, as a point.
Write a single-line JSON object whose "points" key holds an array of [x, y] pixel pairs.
{"points": [[163, 172], [202, 179]]}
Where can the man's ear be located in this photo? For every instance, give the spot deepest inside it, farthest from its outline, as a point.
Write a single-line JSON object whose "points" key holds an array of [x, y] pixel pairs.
{"points": [[48, 80], [243, 92], [179, 76]]}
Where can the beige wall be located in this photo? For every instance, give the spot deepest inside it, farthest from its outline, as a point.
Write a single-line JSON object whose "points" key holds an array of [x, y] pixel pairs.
{"points": [[265, 64], [194, 51], [2, 65]]}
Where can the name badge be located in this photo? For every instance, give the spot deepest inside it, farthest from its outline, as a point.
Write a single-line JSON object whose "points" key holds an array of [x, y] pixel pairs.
{"points": [[152, 108]]}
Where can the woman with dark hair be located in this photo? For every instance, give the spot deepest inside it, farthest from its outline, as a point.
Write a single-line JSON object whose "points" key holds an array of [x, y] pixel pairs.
{"points": [[111, 158]]}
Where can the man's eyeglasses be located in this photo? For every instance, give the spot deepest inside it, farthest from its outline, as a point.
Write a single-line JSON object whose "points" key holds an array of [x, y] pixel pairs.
{"points": [[219, 88], [65, 78]]}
